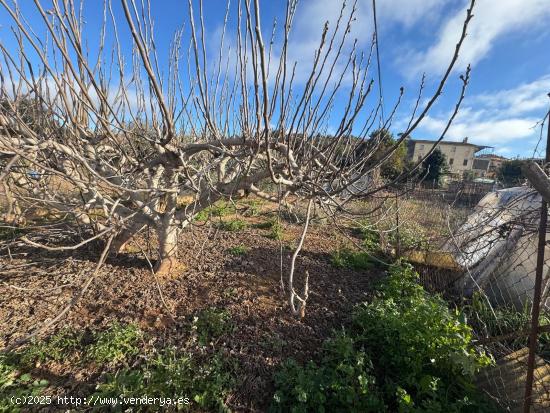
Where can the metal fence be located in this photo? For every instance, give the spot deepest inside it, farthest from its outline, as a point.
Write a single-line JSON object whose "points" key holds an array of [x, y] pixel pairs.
{"points": [[495, 267]]}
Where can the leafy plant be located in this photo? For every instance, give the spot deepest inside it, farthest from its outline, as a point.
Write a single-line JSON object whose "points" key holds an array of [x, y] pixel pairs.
{"points": [[218, 209], [211, 324], [410, 236], [405, 351], [234, 225], [14, 383], [205, 382], [342, 381], [422, 348], [57, 347], [358, 260], [117, 344], [253, 207], [276, 230], [238, 250]]}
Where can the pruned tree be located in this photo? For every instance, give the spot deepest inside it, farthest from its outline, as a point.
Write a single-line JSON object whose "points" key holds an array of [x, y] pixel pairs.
{"points": [[128, 135]]}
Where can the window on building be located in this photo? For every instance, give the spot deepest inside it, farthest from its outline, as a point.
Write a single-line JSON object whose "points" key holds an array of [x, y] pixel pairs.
{"points": [[465, 163], [451, 161]]}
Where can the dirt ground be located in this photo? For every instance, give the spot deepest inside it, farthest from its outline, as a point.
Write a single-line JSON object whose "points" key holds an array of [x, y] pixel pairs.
{"points": [[36, 284]]}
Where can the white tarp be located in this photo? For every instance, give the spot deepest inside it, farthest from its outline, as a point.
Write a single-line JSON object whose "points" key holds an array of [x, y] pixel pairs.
{"points": [[497, 246]]}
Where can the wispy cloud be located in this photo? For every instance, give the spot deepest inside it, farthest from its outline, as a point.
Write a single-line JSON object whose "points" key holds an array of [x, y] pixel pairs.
{"points": [[504, 119], [492, 20]]}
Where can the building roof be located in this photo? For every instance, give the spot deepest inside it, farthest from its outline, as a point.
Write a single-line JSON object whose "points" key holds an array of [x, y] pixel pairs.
{"points": [[453, 143]]}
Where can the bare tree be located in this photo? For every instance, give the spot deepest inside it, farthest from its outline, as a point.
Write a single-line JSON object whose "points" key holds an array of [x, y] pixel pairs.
{"points": [[126, 136]]}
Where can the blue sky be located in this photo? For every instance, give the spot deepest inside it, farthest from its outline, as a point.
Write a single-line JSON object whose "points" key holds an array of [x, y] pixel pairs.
{"points": [[507, 45]]}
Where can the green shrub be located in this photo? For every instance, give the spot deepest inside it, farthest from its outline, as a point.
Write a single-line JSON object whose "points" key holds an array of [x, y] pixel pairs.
{"points": [[238, 250], [370, 236], [232, 225], [342, 381], [205, 382], [358, 260], [116, 344], [405, 351], [211, 324]]}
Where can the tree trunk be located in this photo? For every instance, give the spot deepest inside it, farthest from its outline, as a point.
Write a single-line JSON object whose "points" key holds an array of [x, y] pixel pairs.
{"points": [[167, 232], [168, 251]]}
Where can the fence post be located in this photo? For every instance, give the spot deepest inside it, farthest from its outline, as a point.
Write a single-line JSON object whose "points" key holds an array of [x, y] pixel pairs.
{"points": [[533, 336]]}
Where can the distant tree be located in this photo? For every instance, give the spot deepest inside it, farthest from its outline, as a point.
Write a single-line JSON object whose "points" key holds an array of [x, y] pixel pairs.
{"points": [[395, 165], [373, 150], [510, 173], [435, 167]]}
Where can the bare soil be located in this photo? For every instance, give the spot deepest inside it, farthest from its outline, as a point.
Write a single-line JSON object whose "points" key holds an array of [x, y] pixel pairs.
{"points": [[36, 284]]}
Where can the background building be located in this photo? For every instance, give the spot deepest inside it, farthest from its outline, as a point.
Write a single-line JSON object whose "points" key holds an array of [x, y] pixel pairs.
{"points": [[460, 155]]}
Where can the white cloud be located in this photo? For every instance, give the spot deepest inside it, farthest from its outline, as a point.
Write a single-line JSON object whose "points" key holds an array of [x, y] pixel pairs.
{"points": [[486, 132], [506, 117], [525, 98], [492, 20]]}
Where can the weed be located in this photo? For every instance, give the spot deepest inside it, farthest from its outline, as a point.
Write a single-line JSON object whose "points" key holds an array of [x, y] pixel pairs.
{"points": [[233, 225], [492, 321], [13, 383], [211, 324], [253, 207], [273, 343], [276, 230], [218, 209], [205, 382], [358, 260], [117, 344], [57, 347], [405, 351], [238, 250]]}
